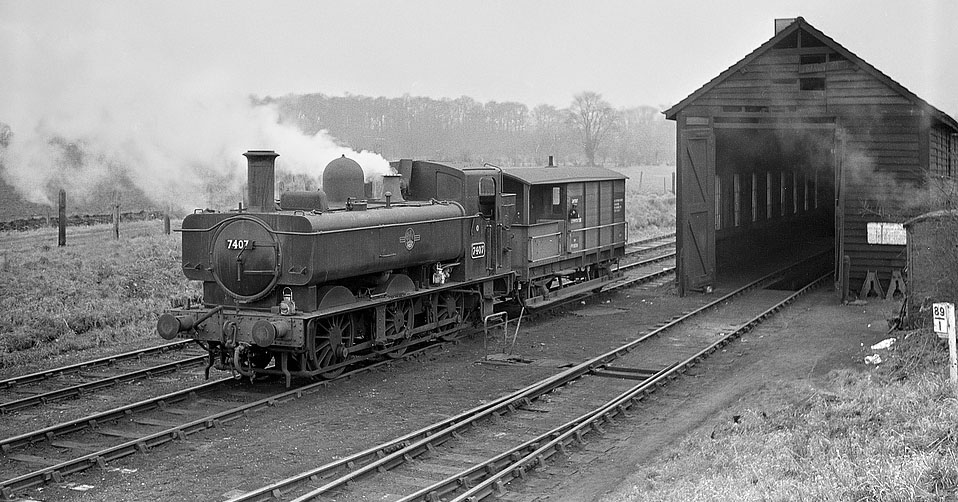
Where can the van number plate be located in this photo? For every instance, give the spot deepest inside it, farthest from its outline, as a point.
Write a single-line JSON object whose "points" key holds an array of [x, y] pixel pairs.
{"points": [[478, 250]]}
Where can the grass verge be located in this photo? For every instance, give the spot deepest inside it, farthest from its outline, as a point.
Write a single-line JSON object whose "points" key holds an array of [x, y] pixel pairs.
{"points": [[888, 434], [102, 293]]}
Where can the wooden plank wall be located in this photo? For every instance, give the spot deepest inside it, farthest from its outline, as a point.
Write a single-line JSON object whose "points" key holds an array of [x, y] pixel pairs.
{"points": [[943, 155], [883, 129]]}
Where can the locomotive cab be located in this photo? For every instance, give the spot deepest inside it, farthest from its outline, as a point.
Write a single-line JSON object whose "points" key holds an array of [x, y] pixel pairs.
{"points": [[478, 189]]}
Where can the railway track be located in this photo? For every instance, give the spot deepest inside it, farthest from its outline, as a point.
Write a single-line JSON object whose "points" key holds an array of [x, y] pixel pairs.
{"points": [[89, 365], [478, 452], [21, 392], [50, 454], [639, 270], [650, 244]]}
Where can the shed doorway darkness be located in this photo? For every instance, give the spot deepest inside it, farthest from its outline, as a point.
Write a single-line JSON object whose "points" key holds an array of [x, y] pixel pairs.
{"points": [[774, 193]]}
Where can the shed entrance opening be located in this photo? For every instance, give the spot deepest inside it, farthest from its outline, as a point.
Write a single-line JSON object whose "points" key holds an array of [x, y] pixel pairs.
{"points": [[771, 197]]}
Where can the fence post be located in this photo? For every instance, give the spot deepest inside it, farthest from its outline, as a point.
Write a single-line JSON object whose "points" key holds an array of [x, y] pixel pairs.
{"points": [[116, 221], [673, 183], [62, 213], [166, 223]]}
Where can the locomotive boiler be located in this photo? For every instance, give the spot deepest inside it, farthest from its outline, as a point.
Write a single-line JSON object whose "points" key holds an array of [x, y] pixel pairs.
{"points": [[309, 283]]}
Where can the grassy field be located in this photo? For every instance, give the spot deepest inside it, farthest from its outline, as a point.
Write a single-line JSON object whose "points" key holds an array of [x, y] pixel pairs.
{"points": [[890, 435], [100, 293], [649, 202]]}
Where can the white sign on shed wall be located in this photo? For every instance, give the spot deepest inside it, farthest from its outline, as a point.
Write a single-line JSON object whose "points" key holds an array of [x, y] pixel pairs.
{"points": [[886, 233]]}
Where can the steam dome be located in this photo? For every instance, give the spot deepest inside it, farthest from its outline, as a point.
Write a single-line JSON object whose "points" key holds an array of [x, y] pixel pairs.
{"points": [[343, 178]]}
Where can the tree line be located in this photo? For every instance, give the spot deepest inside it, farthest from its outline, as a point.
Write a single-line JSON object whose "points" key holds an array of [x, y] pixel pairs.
{"points": [[589, 132]]}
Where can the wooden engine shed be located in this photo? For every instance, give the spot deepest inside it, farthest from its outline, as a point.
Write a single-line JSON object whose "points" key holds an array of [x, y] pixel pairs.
{"points": [[803, 145]]}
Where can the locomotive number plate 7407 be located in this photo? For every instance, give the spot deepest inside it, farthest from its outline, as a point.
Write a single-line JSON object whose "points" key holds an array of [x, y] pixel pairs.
{"points": [[478, 250], [238, 244]]}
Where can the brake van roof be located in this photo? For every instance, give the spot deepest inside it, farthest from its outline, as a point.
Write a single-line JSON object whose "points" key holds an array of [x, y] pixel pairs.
{"points": [[558, 175]]}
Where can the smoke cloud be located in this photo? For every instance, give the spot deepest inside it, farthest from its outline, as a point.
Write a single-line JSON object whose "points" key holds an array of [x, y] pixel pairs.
{"points": [[83, 112]]}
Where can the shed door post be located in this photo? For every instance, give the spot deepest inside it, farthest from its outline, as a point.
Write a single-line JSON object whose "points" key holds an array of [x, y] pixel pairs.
{"points": [[696, 215], [839, 163]]}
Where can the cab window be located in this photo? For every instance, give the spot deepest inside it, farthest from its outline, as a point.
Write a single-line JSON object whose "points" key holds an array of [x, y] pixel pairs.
{"points": [[487, 196]]}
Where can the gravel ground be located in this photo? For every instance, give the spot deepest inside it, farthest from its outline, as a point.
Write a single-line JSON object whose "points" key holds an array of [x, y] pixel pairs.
{"points": [[800, 345], [407, 395]]}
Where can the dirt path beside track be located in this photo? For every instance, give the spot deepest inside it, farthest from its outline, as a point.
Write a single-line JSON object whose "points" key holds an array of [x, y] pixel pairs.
{"points": [[800, 345]]}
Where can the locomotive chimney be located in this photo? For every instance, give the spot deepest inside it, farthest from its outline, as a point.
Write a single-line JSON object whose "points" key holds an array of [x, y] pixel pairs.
{"points": [[260, 179]]}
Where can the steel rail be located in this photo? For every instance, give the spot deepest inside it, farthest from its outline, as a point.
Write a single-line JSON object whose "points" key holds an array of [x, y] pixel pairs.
{"points": [[408, 452], [52, 432], [103, 361], [99, 458], [401, 448], [469, 477], [418, 440], [655, 247], [7, 445], [102, 383], [648, 261], [651, 239], [627, 282], [556, 439]]}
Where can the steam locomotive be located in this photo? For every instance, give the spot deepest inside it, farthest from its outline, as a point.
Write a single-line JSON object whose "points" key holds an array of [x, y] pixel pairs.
{"points": [[307, 284]]}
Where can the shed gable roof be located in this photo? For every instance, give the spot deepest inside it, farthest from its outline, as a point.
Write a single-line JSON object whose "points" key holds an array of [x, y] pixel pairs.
{"points": [[801, 24]]}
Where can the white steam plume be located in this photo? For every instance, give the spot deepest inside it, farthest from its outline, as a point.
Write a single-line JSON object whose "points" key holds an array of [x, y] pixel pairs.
{"points": [[81, 116]]}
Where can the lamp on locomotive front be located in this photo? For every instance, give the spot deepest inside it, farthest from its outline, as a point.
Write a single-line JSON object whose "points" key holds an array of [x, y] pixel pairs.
{"points": [[343, 179]]}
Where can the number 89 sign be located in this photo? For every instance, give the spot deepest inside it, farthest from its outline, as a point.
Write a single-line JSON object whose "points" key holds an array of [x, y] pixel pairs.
{"points": [[943, 316]]}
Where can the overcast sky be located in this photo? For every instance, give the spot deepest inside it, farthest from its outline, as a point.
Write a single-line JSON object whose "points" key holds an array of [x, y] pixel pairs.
{"points": [[633, 52]]}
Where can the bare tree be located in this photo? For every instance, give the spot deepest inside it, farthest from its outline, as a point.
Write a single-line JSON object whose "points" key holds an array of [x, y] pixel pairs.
{"points": [[593, 117]]}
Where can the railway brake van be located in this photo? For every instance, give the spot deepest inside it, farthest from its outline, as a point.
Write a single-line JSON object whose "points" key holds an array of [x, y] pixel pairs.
{"points": [[569, 231]]}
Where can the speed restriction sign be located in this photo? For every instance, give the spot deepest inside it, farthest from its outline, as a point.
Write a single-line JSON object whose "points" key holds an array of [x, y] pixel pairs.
{"points": [[943, 316]]}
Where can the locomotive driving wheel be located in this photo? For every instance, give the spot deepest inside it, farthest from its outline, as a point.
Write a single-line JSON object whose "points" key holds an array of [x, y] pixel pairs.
{"points": [[399, 322], [334, 337], [450, 306]]}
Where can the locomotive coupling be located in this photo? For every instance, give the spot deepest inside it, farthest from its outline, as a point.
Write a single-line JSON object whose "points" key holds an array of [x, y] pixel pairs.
{"points": [[169, 325]]}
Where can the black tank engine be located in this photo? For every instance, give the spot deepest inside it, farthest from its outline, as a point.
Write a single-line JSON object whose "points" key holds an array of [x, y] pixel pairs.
{"points": [[305, 285]]}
